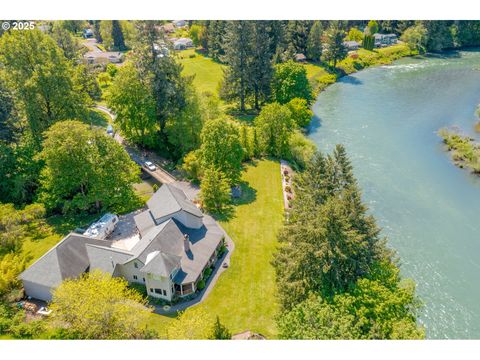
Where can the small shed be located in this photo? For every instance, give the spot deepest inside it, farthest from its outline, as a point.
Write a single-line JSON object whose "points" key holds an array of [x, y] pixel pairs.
{"points": [[300, 58], [180, 23], [182, 44], [87, 33], [236, 192], [351, 45]]}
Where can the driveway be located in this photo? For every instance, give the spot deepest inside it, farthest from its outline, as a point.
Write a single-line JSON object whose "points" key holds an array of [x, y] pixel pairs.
{"points": [[161, 175]]}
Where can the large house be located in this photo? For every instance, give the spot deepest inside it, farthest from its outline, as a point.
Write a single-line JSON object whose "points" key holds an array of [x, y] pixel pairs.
{"points": [[175, 244], [382, 40]]}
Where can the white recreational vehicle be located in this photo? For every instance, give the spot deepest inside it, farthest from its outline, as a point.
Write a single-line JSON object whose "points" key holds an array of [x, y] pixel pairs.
{"points": [[103, 227]]}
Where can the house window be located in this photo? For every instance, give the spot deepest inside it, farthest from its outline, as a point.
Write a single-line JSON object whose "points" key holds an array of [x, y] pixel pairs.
{"points": [[151, 290], [164, 293], [143, 279], [135, 277], [136, 265], [158, 291]]}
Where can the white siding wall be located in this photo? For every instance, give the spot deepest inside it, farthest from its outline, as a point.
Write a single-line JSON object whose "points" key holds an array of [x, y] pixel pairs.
{"points": [[128, 270], [185, 218], [37, 291], [189, 220], [159, 282]]}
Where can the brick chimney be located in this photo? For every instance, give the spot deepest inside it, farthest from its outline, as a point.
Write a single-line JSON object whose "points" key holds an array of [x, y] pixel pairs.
{"points": [[186, 243]]}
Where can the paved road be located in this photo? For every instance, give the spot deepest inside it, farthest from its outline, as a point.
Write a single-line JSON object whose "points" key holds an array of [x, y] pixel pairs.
{"points": [[139, 156]]}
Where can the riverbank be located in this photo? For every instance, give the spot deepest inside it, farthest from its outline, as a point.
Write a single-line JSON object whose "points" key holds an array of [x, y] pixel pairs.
{"points": [[465, 150], [388, 124], [321, 75]]}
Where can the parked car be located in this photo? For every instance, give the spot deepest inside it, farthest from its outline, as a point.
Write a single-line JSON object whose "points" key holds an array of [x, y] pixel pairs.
{"points": [[150, 166], [110, 130]]}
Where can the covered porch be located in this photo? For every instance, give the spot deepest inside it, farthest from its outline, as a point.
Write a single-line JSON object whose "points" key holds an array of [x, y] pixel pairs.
{"points": [[184, 289]]}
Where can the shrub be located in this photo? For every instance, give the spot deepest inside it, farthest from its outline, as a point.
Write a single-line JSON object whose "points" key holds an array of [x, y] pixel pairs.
{"points": [[27, 330], [285, 172], [154, 187], [301, 149], [221, 251], [477, 126], [301, 112], [192, 165], [207, 273], [288, 189], [139, 288], [201, 285]]}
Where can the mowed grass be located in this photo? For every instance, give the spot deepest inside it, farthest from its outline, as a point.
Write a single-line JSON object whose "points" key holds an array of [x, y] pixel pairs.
{"points": [[208, 73], [245, 295]]}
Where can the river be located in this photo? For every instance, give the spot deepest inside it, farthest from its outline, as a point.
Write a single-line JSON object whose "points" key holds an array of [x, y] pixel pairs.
{"points": [[387, 118]]}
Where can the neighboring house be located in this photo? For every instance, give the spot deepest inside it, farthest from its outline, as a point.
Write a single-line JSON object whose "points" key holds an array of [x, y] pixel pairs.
{"points": [[168, 28], [103, 57], [176, 244], [87, 33], [351, 45], [248, 335], [382, 40], [179, 23], [161, 50], [300, 58], [182, 44]]}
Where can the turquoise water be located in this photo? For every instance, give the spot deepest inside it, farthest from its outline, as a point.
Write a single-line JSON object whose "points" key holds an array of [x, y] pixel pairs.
{"points": [[387, 118]]}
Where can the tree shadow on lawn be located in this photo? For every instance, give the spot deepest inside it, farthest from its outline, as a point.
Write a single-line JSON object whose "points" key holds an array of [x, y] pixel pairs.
{"points": [[249, 195]]}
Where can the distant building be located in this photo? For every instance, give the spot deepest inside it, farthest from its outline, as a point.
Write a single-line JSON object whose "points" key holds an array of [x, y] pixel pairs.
{"points": [[182, 44], [248, 335], [87, 33], [382, 40], [300, 58], [180, 23], [351, 45], [168, 28], [103, 57]]}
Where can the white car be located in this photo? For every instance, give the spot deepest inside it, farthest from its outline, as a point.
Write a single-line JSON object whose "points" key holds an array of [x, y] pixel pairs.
{"points": [[150, 166]]}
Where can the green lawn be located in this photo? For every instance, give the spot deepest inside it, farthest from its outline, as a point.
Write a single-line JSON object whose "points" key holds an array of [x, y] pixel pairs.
{"points": [[244, 296], [208, 73]]}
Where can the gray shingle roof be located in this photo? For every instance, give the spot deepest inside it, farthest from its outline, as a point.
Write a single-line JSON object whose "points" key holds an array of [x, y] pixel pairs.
{"points": [[162, 264], [144, 221], [165, 237], [106, 258], [168, 200], [203, 243], [67, 259]]}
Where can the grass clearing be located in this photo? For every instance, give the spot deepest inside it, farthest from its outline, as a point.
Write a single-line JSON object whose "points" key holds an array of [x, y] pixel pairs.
{"points": [[208, 73], [245, 295]]}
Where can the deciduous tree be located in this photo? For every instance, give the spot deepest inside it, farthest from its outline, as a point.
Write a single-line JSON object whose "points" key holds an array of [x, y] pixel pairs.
{"points": [[274, 126], [99, 306], [85, 170], [134, 106], [290, 81], [221, 148], [214, 190], [40, 77]]}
